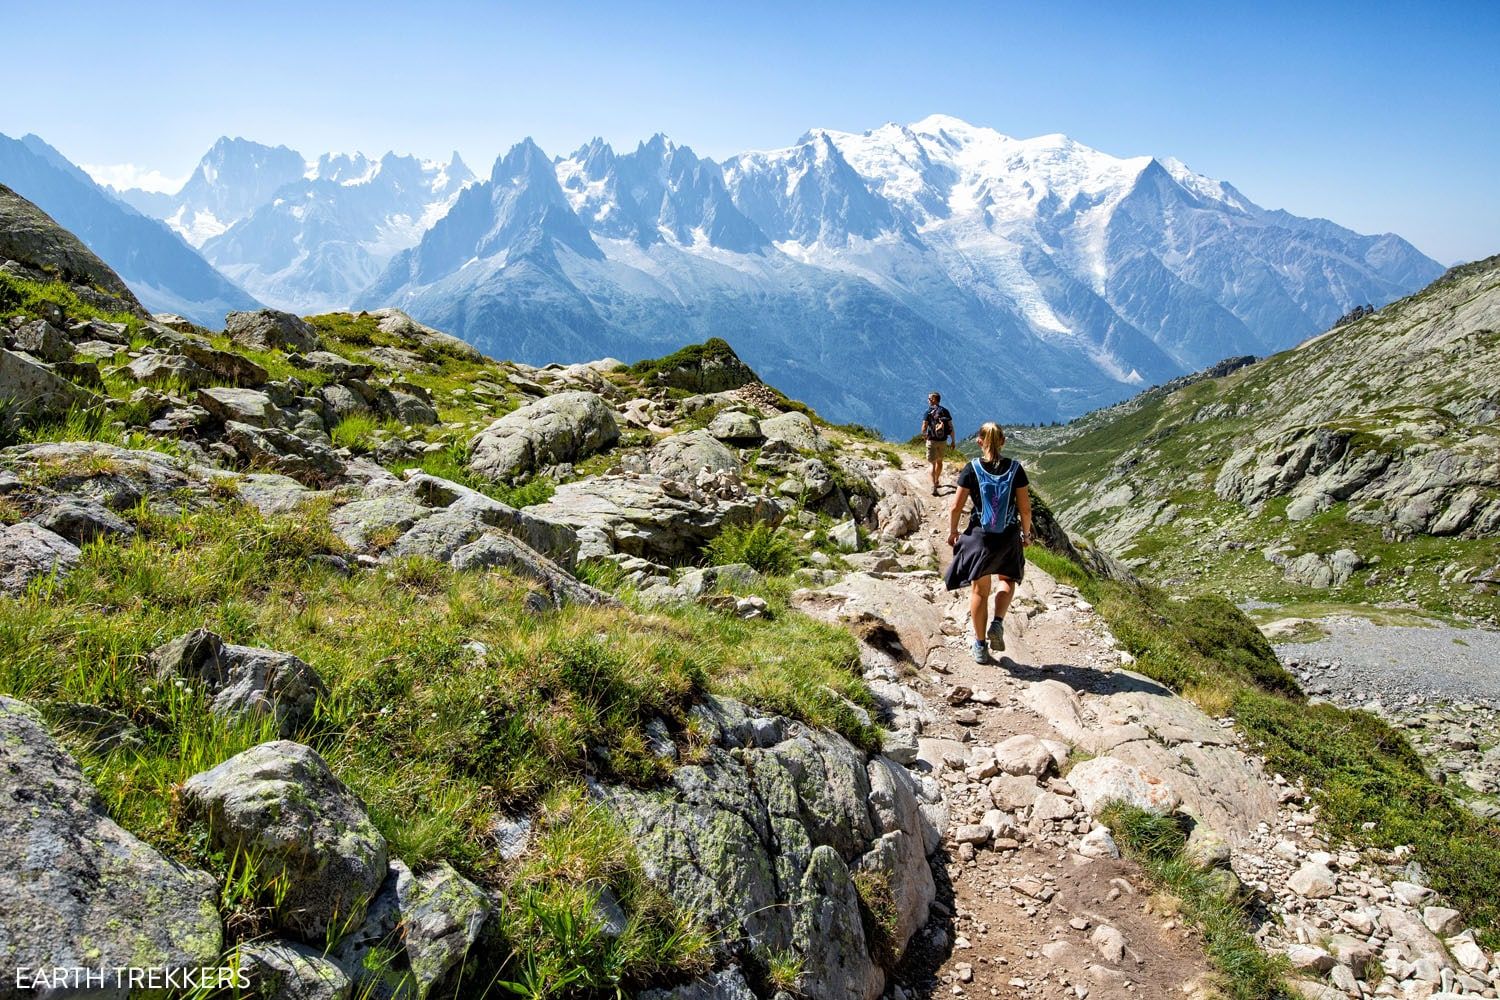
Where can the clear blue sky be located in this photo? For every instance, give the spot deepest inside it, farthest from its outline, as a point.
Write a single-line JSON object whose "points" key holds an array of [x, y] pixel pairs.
{"points": [[1380, 116]]}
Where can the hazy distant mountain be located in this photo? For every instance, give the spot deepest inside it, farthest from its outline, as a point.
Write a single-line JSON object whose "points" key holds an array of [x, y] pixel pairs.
{"points": [[234, 178], [1029, 279], [165, 273], [322, 238]]}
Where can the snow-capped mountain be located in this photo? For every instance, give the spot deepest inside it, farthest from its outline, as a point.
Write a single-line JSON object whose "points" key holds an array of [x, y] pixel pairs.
{"points": [[235, 177], [165, 273], [1028, 279], [304, 236], [322, 238]]}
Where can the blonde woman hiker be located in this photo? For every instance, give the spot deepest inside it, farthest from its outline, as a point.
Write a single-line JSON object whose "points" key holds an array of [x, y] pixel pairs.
{"points": [[994, 543]]}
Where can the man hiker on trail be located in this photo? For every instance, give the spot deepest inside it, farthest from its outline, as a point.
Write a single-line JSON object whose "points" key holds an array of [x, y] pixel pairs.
{"points": [[937, 429]]}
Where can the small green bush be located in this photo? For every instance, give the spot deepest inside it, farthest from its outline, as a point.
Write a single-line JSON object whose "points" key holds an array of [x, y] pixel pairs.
{"points": [[763, 548]]}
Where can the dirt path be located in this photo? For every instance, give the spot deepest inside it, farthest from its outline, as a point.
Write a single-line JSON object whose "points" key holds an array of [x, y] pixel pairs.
{"points": [[1026, 922], [1033, 898]]}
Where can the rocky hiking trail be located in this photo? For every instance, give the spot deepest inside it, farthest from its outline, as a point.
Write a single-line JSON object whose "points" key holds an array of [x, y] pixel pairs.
{"points": [[1033, 898]]}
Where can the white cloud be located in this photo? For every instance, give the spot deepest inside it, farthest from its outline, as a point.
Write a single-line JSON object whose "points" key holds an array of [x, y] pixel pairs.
{"points": [[121, 176]]}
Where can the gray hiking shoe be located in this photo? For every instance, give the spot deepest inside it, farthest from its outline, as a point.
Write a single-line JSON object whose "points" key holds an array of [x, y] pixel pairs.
{"points": [[996, 634], [979, 651]]}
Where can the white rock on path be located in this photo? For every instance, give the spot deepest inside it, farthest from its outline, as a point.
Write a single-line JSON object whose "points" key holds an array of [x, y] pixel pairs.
{"points": [[1312, 882], [1104, 780], [1023, 754], [1098, 843]]}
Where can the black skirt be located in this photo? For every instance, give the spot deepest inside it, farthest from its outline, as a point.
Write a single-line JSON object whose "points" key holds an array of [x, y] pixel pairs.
{"points": [[978, 555]]}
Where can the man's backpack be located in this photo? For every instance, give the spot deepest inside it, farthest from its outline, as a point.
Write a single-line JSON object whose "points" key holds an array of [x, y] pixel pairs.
{"points": [[939, 424], [997, 510]]}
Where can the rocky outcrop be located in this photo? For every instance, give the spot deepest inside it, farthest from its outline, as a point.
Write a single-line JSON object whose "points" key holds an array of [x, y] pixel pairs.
{"points": [[711, 366], [270, 329], [285, 970], [399, 324], [280, 802], [29, 236], [31, 389], [560, 428], [244, 680], [650, 516], [416, 935], [29, 552], [763, 837], [76, 890]]}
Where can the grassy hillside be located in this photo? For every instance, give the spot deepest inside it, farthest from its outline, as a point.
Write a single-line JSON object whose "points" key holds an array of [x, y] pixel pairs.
{"points": [[454, 701], [1168, 480]]}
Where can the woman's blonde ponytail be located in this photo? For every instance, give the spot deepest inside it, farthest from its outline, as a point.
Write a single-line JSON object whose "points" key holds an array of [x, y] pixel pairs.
{"points": [[991, 440]]}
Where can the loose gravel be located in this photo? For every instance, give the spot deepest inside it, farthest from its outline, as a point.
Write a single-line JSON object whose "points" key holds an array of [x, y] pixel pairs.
{"points": [[1360, 661]]}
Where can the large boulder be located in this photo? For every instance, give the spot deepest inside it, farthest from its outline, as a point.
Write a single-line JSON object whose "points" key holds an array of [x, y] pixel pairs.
{"points": [[310, 462], [76, 890], [758, 838], [421, 926], [280, 802], [649, 516], [899, 854], [553, 539], [224, 366], [1105, 780], [560, 428], [81, 520], [34, 390], [161, 368], [796, 430], [248, 406], [683, 456], [41, 340], [898, 512], [29, 551], [736, 426], [244, 680], [270, 329]]}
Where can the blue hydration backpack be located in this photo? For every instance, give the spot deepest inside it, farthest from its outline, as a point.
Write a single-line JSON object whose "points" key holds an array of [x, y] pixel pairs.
{"points": [[997, 509]]}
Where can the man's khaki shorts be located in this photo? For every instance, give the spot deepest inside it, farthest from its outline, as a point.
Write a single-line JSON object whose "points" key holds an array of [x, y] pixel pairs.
{"points": [[935, 450]]}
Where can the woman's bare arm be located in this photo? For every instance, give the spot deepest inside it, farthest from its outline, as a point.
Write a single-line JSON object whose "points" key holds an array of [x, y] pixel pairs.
{"points": [[1023, 505], [960, 501]]}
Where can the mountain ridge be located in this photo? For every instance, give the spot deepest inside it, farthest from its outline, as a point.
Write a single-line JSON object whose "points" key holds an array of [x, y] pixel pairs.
{"points": [[1029, 279], [163, 271]]}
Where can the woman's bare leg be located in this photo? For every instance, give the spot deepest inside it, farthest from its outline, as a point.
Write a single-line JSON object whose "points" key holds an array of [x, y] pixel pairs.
{"points": [[979, 594], [1003, 594]]}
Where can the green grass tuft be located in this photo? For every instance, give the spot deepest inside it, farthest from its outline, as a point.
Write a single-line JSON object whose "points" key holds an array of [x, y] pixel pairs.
{"points": [[1210, 901]]}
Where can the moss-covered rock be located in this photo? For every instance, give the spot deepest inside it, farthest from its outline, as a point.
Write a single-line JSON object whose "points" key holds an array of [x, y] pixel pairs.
{"points": [[77, 891]]}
